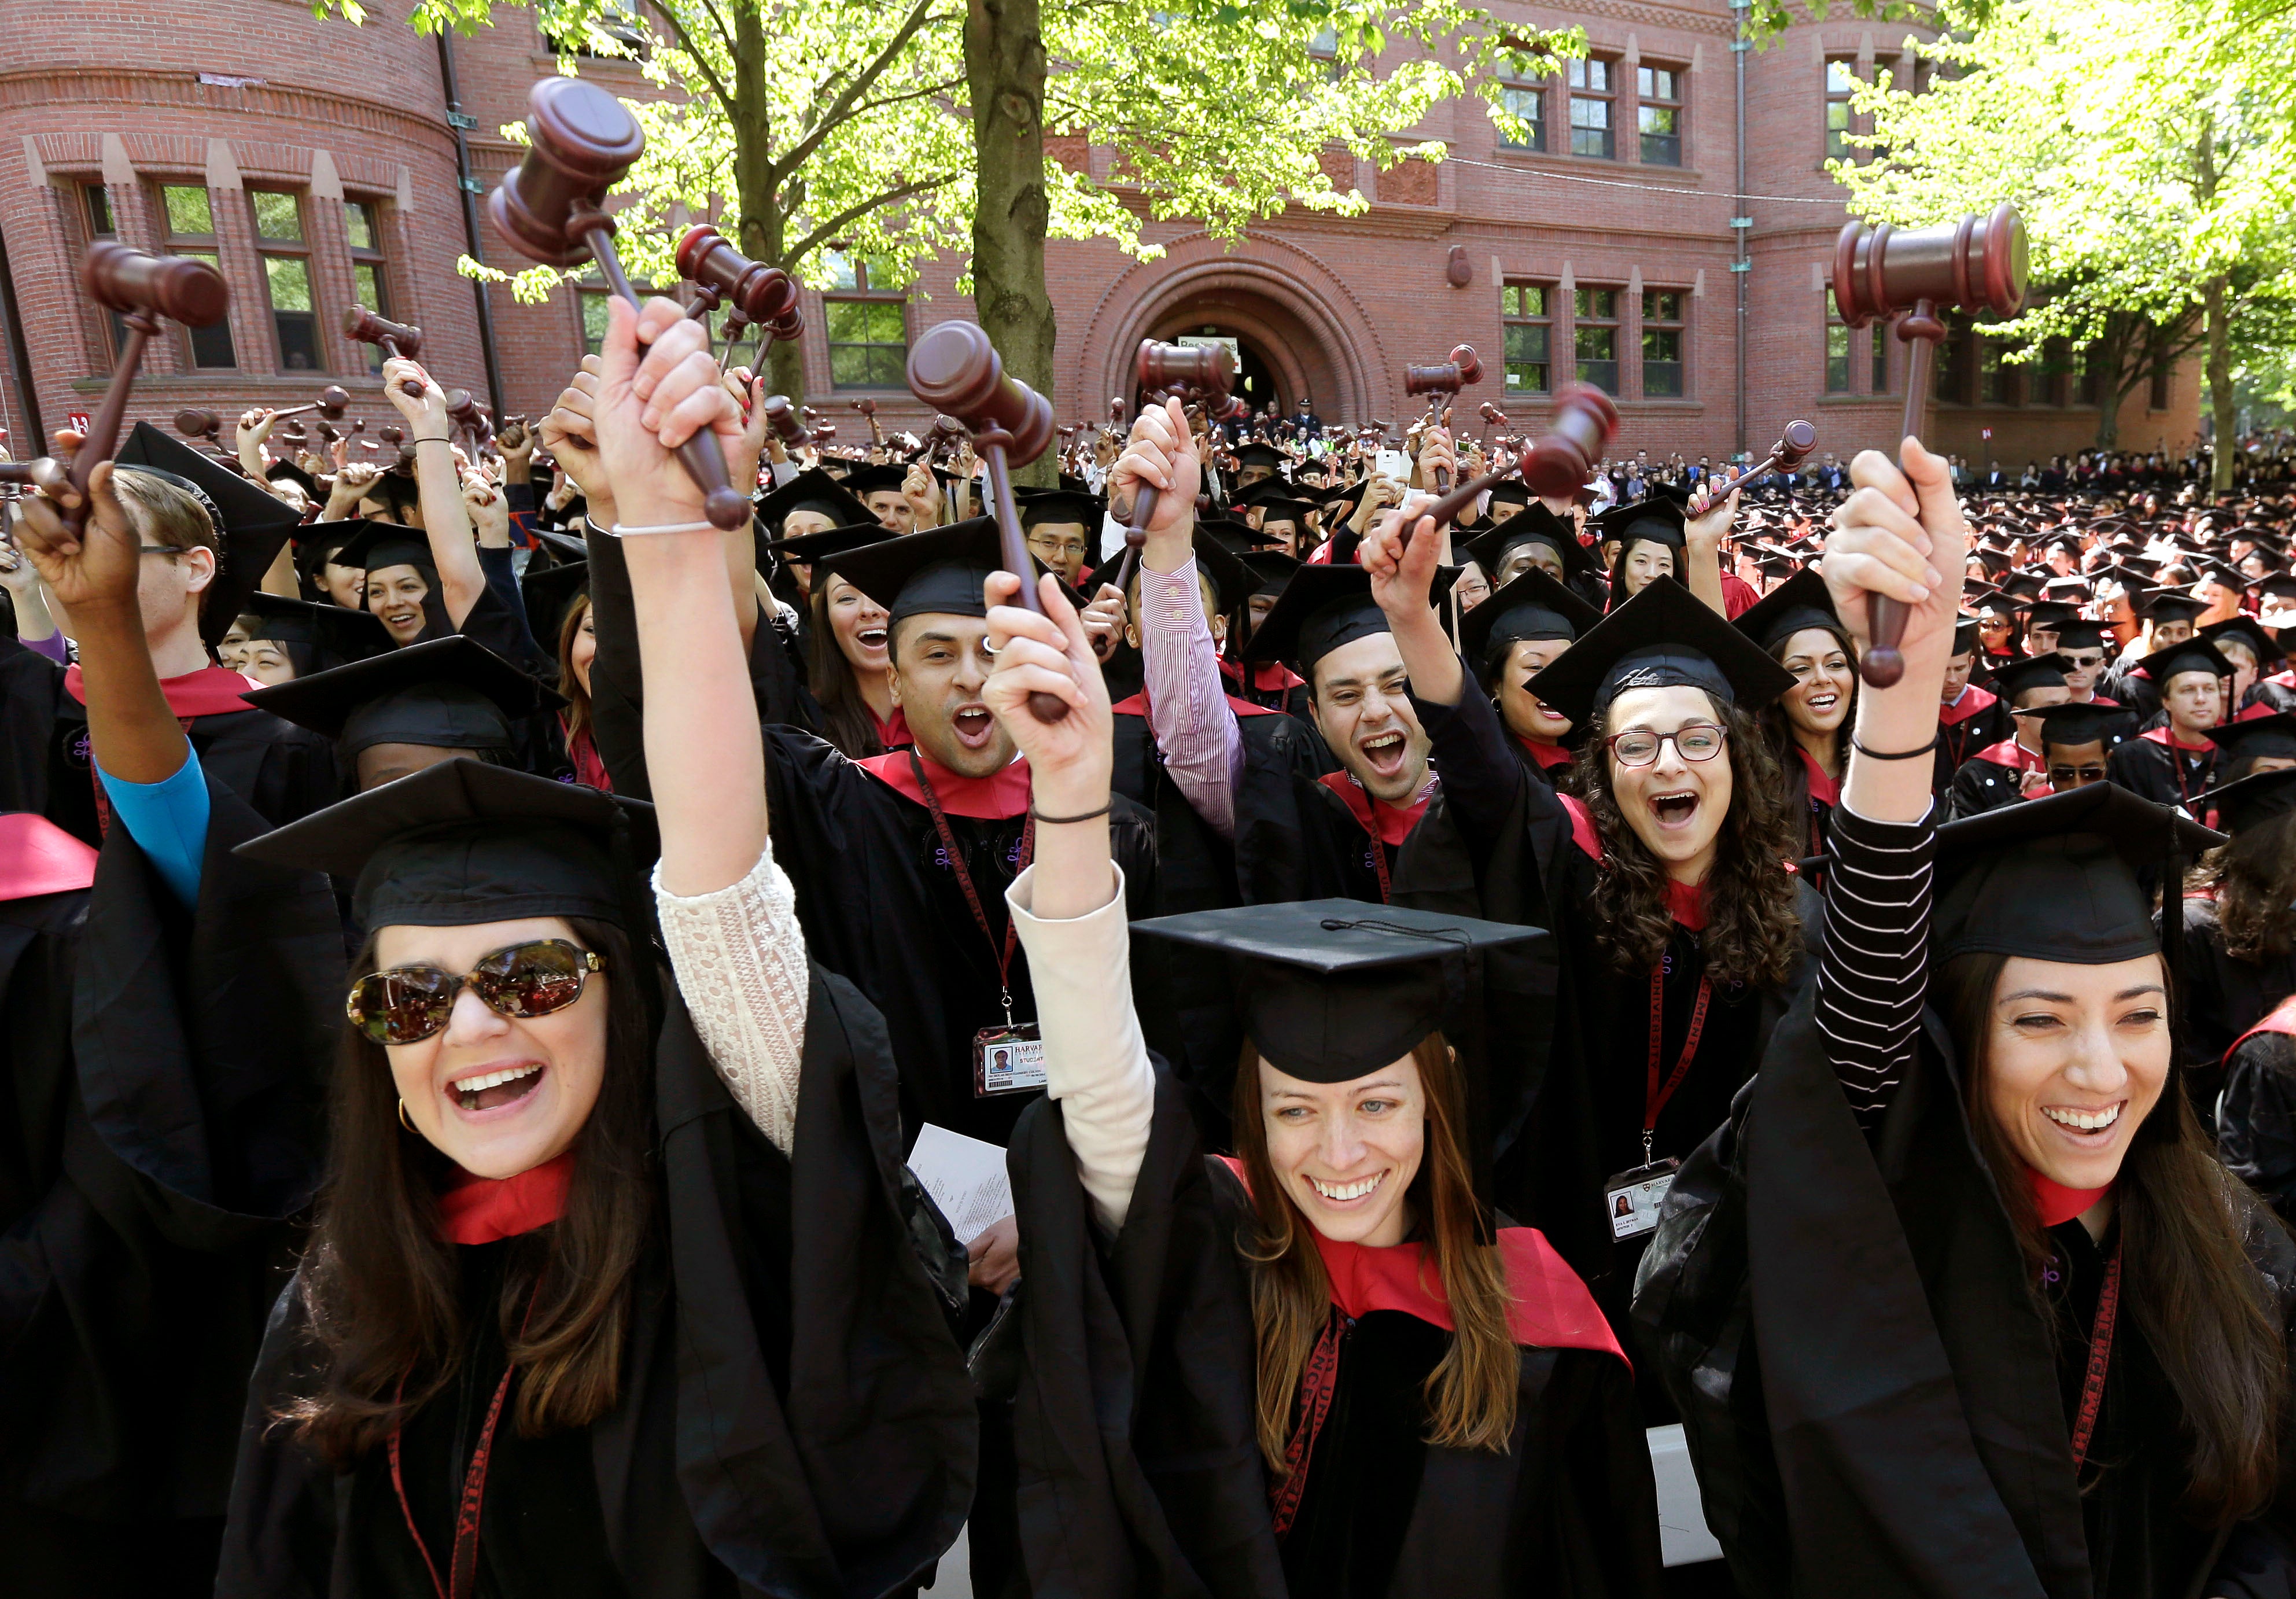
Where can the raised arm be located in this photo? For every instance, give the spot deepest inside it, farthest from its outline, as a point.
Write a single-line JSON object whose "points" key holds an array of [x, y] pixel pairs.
{"points": [[1702, 554], [437, 474]]}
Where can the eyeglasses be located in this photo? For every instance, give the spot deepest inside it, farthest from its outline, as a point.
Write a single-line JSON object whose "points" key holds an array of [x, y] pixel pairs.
{"points": [[2082, 662], [1692, 740], [406, 1004]]}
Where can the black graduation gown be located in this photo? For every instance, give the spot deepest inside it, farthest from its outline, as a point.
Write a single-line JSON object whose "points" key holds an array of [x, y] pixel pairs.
{"points": [[1140, 1471], [1872, 1404], [156, 1147], [795, 1416], [1974, 722], [1810, 797], [1189, 1019], [2256, 1120], [2220, 999], [2148, 766], [1990, 779]]}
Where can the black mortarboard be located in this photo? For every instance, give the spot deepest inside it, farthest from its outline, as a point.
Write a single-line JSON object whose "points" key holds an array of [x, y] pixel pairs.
{"points": [[550, 593], [1529, 605], [1534, 525], [250, 523], [2083, 723], [449, 693], [1060, 506], [1271, 570], [1659, 518], [317, 638], [1321, 608], [2079, 632], [1238, 538], [940, 569], [296, 474], [1665, 636], [2240, 741], [2167, 605], [2057, 878], [379, 545], [811, 547], [2249, 631], [812, 489], [2049, 615], [2029, 671], [1278, 509], [463, 842], [2193, 655], [1261, 493], [2025, 585], [2254, 800], [1259, 454], [875, 479], [1334, 990], [1800, 602], [1965, 641]]}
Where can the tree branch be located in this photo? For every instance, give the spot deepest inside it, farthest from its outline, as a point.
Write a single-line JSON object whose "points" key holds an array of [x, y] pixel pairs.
{"points": [[829, 229], [717, 89], [840, 110]]}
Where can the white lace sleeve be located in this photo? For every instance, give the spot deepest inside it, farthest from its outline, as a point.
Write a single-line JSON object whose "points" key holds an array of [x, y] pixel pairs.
{"points": [[740, 958]]}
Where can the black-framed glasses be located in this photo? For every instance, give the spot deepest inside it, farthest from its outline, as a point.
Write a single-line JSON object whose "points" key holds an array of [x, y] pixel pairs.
{"points": [[2083, 663], [406, 1004], [1692, 740]]}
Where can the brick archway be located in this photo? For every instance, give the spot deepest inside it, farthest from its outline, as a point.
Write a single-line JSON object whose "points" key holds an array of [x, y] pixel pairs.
{"points": [[1303, 331]]}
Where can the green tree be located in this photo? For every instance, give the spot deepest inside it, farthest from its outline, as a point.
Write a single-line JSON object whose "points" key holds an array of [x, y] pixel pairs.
{"points": [[2150, 146]]}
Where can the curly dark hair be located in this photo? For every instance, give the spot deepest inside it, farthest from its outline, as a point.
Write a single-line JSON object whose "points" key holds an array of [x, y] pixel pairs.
{"points": [[1753, 934], [2254, 881]]}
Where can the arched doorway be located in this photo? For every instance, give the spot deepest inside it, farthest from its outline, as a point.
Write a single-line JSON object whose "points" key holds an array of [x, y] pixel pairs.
{"points": [[1258, 380]]}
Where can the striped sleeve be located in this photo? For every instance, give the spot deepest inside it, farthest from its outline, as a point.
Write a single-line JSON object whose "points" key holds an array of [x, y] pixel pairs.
{"points": [[1873, 974]]}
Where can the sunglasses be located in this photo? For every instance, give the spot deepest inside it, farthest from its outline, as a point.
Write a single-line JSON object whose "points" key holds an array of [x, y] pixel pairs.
{"points": [[406, 1004]]}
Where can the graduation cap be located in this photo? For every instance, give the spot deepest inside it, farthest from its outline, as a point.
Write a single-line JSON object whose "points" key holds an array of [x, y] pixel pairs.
{"points": [[2024, 585], [1261, 493], [377, 545], [1658, 519], [1536, 524], [1965, 639], [815, 490], [463, 842], [2057, 879], [250, 524], [1530, 605], [1060, 506], [1238, 538], [2158, 605], [2193, 655], [1321, 608], [865, 480], [809, 547], [2241, 742], [1256, 454], [1664, 637], [1800, 602], [449, 693], [2247, 630], [1294, 511], [549, 593], [2080, 633], [2276, 597], [940, 570], [2046, 616], [1271, 570], [2254, 800], [292, 473], [2083, 723], [2029, 672], [315, 637], [1992, 602]]}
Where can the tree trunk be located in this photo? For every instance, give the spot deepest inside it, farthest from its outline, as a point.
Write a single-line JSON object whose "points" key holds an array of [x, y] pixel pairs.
{"points": [[1004, 71], [2213, 298], [764, 226]]}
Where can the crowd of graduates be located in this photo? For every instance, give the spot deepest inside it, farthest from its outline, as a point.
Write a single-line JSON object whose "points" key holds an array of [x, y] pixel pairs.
{"points": [[488, 960]]}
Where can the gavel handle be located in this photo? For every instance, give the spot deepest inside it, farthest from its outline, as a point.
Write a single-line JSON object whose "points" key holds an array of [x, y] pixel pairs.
{"points": [[725, 506], [1884, 662], [1013, 547], [1707, 498], [1135, 531]]}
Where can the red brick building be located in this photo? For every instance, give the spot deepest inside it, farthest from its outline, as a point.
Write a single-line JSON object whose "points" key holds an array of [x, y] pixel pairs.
{"points": [[318, 163]]}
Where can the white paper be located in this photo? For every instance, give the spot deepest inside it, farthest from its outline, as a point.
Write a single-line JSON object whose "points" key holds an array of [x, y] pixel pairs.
{"points": [[967, 1178], [1682, 1537]]}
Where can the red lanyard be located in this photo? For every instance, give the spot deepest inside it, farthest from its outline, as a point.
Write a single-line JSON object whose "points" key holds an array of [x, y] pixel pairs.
{"points": [[971, 896], [2100, 1354], [1378, 866], [462, 1568], [1655, 1096]]}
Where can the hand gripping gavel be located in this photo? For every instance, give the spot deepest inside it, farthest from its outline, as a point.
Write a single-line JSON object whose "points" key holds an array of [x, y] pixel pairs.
{"points": [[761, 296], [1792, 449], [1443, 381], [954, 368], [551, 208], [143, 289], [1975, 264], [363, 326], [1206, 368], [333, 402], [1585, 422]]}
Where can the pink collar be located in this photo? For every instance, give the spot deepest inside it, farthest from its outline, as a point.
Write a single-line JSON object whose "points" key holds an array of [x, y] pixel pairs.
{"points": [[37, 856], [481, 1210]]}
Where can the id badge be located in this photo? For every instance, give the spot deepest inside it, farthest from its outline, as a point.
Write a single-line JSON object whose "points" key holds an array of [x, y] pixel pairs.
{"points": [[1007, 1060], [1632, 1199]]}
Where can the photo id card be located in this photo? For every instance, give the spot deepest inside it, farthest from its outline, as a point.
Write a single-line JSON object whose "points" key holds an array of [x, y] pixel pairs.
{"points": [[1632, 1199], [1007, 1060]]}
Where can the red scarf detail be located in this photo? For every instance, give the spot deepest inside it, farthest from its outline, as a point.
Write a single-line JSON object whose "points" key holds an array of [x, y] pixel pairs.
{"points": [[2262, 707], [1390, 824], [1972, 701], [1582, 826], [2011, 754], [996, 798], [1547, 756], [209, 692], [2166, 738], [481, 1210], [2282, 1021], [2059, 1204], [893, 732], [1825, 790], [1267, 674], [589, 770], [37, 856], [1685, 902]]}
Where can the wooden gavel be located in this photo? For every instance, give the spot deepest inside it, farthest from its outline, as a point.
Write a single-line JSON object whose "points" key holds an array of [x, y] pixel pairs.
{"points": [[868, 408], [552, 208], [1443, 380], [1977, 264], [955, 369], [760, 295], [1792, 449], [143, 289], [194, 423], [1206, 369], [1585, 422], [781, 417], [363, 326], [333, 402]]}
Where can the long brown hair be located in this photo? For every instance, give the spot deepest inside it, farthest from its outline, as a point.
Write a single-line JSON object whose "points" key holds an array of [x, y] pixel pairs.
{"points": [[1753, 934], [1779, 726], [577, 698], [1471, 1394], [2254, 880], [2192, 1289], [382, 1290], [845, 718]]}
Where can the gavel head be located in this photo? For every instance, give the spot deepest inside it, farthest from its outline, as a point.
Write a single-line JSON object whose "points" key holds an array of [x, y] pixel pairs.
{"points": [[128, 280], [292, 434], [1206, 367], [867, 407], [782, 420], [1795, 444], [193, 423], [461, 407], [1116, 407], [1977, 264], [583, 141], [1584, 423], [955, 368], [1445, 377], [334, 400], [363, 326], [1492, 415], [392, 433], [757, 293]]}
